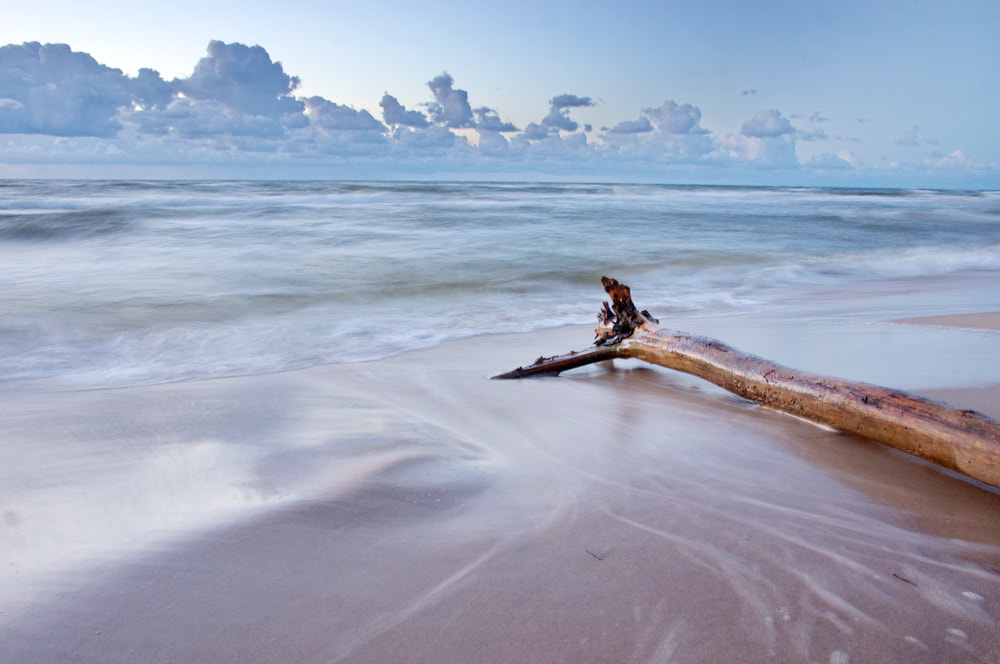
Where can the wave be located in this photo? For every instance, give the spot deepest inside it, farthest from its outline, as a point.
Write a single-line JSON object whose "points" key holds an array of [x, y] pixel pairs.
{"points": [[64, 224]]}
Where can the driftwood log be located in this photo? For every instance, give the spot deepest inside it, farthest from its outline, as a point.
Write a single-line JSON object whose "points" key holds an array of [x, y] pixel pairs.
{"points": [[962, 440]]}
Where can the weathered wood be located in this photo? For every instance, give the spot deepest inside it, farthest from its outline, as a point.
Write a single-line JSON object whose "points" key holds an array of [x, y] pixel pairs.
{"points": [[962, 440]]}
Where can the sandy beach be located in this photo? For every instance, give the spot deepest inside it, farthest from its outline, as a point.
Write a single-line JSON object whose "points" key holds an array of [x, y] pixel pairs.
{"points": [[412, 510]]}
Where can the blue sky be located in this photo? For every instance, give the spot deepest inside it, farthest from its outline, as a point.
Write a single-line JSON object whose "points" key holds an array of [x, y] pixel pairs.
{"points": [[855, 93]]}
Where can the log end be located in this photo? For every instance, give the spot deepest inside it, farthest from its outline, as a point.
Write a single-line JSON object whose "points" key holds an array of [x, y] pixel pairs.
{"points": [[622, 318]]}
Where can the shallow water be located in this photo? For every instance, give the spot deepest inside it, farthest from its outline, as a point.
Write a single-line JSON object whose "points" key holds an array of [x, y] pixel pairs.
{"points": [[119, 283]]}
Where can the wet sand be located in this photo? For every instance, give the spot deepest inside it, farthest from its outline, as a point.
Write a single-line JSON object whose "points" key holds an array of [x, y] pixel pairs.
{"points": [[987, 320], [411, 510]]}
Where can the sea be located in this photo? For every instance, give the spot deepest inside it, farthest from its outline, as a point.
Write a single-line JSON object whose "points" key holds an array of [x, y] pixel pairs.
{"points": [[118, 283]]}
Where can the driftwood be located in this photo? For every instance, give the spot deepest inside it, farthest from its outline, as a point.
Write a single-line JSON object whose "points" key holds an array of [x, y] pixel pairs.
{"points": [[962, 440]]}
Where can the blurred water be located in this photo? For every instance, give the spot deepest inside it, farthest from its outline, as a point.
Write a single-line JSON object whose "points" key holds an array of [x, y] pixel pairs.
{"points": [[116, 283]]}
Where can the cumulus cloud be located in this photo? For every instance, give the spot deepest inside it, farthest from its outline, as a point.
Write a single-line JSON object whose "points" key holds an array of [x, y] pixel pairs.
{"points": [[243, 78], [640, 126], [766, 140], [670, 133], [827, 161], [492, 143], [238, 109], [811, 135], [488, 120], [954, 159], [450, 106], [433, 137], [558, 117], [536, 132], [763, 151], [394, 113], [767, 124], [570, 101], [672, 118], [192, 119], [54, 90], [149, 90], [330, 116]]}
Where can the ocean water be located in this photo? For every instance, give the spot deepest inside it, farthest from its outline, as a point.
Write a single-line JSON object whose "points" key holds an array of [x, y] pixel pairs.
{"points": [[110, 283]]}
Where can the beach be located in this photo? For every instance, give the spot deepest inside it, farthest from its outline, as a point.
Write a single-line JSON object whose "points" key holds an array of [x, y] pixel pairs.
{"points": [[212, 452], [413, 510]]}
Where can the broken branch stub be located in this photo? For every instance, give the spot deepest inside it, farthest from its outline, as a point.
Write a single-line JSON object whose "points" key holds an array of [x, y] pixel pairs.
{"points": [[962, 440]]}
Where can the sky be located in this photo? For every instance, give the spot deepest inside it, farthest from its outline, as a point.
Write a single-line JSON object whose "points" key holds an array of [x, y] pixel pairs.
{"points": [[876, 93]]}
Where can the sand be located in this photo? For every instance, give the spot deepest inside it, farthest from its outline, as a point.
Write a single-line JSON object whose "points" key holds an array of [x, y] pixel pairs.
{"points": [[986, 320], [411, 510]]}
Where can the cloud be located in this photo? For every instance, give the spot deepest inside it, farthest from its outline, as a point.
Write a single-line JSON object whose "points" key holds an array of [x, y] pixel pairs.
{"points": [[193, 119], [766, 140], [492, 143], [640, 126], [768, 151], [536, 132], [394, 113], [244, 79], [672, 118], [330, 116], [827, 161], [570, 101], [488, 120], [149, 90], [953, 160], [767, 124], [669, 133], [811, 135], [451, 106], [558, 117], [238, 111], [54, 90], [433, 138]]}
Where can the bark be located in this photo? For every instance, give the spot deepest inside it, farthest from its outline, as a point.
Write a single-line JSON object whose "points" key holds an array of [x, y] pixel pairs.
{"points": [[962, 440]]}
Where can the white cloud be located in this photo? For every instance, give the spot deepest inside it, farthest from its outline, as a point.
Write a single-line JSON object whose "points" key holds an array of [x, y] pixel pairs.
{"points": [[488, 120], [816, 134], [536, 132], [640, 126], [764, 151], [330, 116], [54, 90], [570, 101], [451, 107], [828, 161], [672, 118], [244, 79], [954, 159], [433, 137], [767, 124], [558, 117], [190, 118], [394, 113], [238, 110]]}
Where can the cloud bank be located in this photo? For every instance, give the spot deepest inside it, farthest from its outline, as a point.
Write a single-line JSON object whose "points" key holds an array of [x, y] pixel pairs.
{"points": [[238, 110]]}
